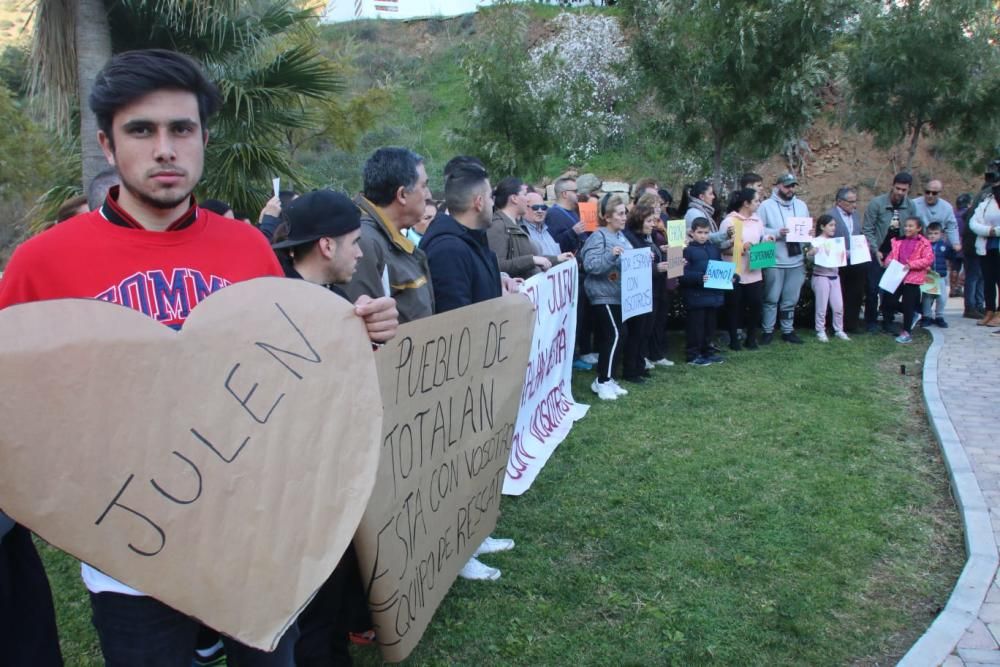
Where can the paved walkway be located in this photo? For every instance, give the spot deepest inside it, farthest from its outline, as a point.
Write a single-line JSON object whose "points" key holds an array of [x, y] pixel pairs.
{"points": [[962, 393]]}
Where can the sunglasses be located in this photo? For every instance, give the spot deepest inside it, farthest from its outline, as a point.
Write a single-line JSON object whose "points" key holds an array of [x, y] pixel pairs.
{"points": [[932, 192], [539, 207]]}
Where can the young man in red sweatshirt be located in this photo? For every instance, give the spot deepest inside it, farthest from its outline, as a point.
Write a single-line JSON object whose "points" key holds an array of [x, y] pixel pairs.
{"points": [[151, 248]]}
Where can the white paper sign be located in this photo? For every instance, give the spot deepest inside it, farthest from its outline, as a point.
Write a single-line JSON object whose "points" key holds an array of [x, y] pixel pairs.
{"points": [[830, 252], [859, 250], [276, 184], [799, 230], [548, 409], [637, 283], [385, 281], [893, 276]]}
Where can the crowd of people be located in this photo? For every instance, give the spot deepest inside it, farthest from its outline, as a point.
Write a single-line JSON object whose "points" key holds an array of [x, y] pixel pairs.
{"points": [[399, 255]]}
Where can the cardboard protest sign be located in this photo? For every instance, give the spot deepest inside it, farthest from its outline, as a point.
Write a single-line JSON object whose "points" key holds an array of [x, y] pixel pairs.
{"points": [[830, 252], [547, 410], [675, 262], [588, 214], [221, 469], [761, 255], [737, 240], [637, 282], [799, 230], [860, 252], [933, 283], [893, 276], [676, 233], [451, 386], [720, 274]]}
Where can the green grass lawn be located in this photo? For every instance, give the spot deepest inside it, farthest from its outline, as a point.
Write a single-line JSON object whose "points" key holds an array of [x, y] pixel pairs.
{"points": [[789, 507]]}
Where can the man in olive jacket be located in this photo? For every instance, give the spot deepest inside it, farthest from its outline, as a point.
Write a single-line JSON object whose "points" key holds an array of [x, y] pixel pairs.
{"points": [[516, 253], [395, 190], [883, 219]]}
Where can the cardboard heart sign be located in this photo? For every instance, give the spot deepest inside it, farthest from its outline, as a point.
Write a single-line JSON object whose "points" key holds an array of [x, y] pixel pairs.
{"points": [[222, 469]]}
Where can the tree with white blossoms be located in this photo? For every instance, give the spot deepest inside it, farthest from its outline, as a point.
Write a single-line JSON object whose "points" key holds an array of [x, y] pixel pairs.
{"points": [[584, 64]]}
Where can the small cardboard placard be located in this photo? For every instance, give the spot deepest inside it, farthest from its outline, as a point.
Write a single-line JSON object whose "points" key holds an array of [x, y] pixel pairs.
{"points": [[720, 274], [676, 233], [799, 230], [830, 252], [221, 469], [637, 283], [761, 255], [451, 387], [893, 276], [860, 252], [588, 214], [675, 261]]}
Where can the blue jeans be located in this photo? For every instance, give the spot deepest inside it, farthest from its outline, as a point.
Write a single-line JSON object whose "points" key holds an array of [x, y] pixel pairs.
{"points": [[139, 630], [974, 297]]}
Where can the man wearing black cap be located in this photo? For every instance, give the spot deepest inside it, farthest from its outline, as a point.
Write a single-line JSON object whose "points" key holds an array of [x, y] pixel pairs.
{"points": [[782, 282], [322, 246]]}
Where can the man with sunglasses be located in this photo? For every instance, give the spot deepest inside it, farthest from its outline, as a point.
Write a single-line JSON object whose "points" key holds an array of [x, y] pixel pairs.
{"points": [[517, 255], [932, 208], [534, 224]]}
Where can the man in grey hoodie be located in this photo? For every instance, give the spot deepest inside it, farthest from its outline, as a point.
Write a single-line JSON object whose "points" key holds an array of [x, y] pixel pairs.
{"points": [[783, 282]]}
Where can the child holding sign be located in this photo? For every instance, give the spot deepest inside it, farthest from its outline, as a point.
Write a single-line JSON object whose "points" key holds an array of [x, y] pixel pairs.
{"points": [[702, 304], [914, 252], [744, 304], [826, 285]]}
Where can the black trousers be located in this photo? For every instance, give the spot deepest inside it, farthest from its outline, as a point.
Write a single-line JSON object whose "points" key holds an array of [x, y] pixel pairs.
{"points": [[990, 263], [338, 607], [610, 336], [585, 327], [853, 281], [744, 306], [700, 331], [27, 618], [636, 345], [905, 299], [658, 334]]}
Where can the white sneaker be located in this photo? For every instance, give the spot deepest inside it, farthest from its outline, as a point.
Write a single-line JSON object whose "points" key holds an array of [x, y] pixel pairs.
{"points": [[821, 337], [589, 358], [604, 390], [492, 545], [649, 364], [663, 362], [621, 391], [478, 571], [841, 335]]}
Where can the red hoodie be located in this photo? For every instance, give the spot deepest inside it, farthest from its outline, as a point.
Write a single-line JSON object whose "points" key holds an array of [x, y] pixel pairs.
{"points": [[916, 252]]}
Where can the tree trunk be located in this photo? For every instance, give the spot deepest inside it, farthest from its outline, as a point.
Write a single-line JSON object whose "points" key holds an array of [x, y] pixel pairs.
{"points": [[93, 50], [914, 139], [717, 164]]}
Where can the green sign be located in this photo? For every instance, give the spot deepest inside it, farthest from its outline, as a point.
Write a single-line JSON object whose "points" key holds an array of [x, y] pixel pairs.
{"points": [[762, 255]]}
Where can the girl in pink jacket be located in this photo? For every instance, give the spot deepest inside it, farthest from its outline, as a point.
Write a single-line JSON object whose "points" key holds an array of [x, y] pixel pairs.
{"points": [[915, 253]]}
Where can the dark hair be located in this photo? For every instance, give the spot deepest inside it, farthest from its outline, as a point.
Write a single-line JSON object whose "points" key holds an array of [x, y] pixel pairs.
{"points": [[637, 216], [934, 227], [821, 222], [920, 223], [749, 178], [462, 161], [964, 200], [843, 192], [902, 177], [387, 170], [216, 206], [699, 223], [692, 192], [462, 184], [641, 187], [665, 196], [504, 190], [131, 75], [68, 208], [740, 197], [97, 191], [562, 184]]}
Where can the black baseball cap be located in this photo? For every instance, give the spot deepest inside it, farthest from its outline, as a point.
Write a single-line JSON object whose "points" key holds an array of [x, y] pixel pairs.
{"points": [[318, 214]]}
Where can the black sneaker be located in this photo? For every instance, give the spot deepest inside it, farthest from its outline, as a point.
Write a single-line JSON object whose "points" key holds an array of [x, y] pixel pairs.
{"points": [[766, 338], [736, 347], [791, 338], [751, 345], [715, 359], [941, 323]]}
